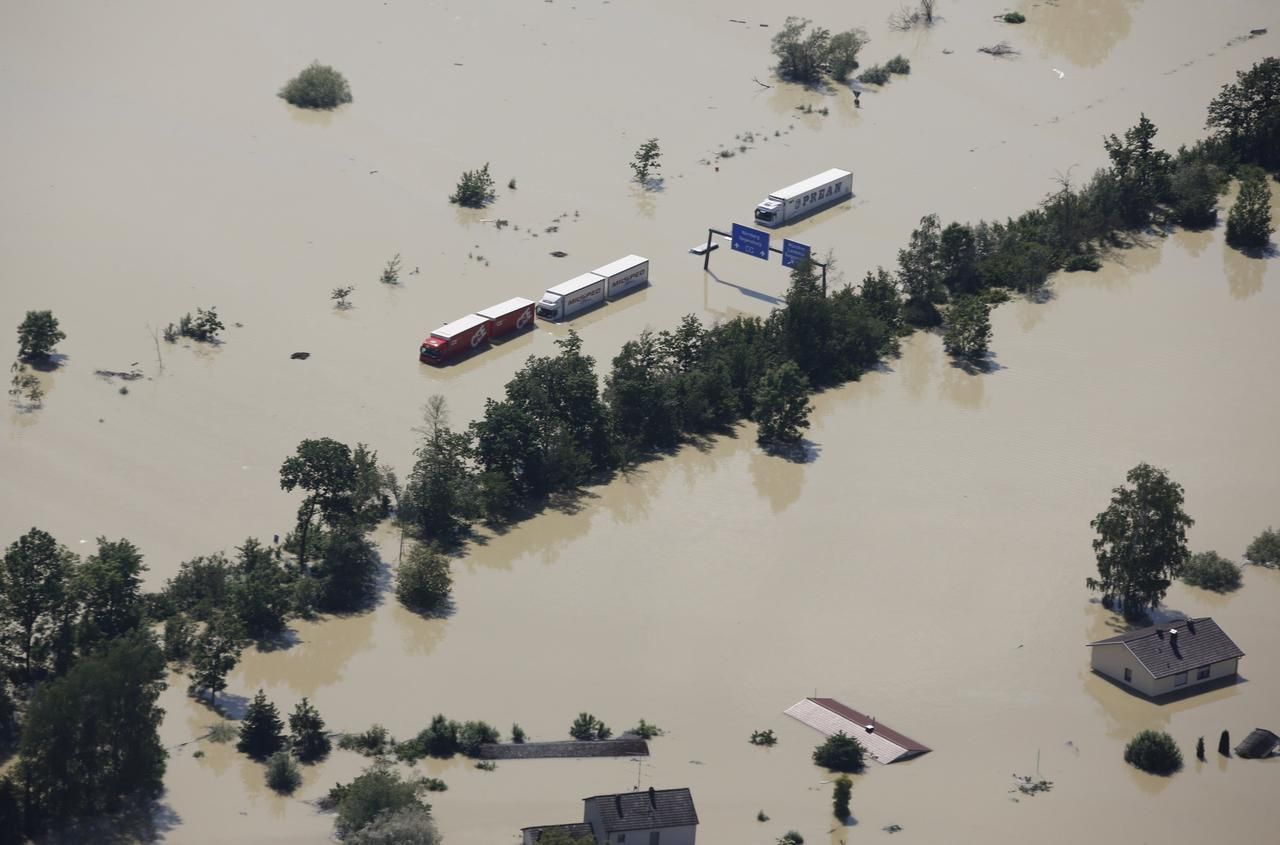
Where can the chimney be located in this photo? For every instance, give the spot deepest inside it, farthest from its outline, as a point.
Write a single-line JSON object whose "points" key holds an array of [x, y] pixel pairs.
{"points": [[653, 798], [1173, 638], [617, 803], [1191, 625]]}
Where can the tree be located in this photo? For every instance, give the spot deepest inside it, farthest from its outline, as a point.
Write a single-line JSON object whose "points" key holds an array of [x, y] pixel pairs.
{"points": [[411, 825], [38, 334], [423, 582], [8, 715], [800, 53], [1224, 744], [1142, 170], [35, 598], [109, 585], [1249, 221], [587, 727], [1200, 749], [1142, 540], [1211, 571], [1265, 549], [306, 730], [261, 731], [347, 571], [339, 296], [25, 385], [378, 792], [840, 753], [1194, 191], [920, 271], [324, 469], [1154, 752], [1246, 114], [261, 595], [440, 496], [317, 87], [958, 255], [517, 734], [968, 329], [642, 397], [90, 744], [842, 52], [782, 404], [215, 653], [472, 735], [179, 636], [646, 160], [840, 795], [475, 189]]}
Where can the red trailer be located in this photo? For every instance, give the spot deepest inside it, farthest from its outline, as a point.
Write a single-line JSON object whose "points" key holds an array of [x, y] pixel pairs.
{"points": [[514, 315], [454, 339]]}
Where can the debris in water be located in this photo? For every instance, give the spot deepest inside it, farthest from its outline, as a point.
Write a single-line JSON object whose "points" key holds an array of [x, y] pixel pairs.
{"points": [[892, 828], [1028, 785], [300, 356], [556, 253], [1001, 49]]}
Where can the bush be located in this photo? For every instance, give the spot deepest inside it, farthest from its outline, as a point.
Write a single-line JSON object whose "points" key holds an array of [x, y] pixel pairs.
{"points": [[282, 773], [1211, 571], [317, 87], [1086, 261], [842, 53], [439, 739], [204, 327], [840, 753], [307, 735], [1265, 549], [38, 334], [804, 54], [782, 404], [968, 329], [378, 791], [475, 189], [261, 731], [1249, 221], [898, 64], [410, 825], [179, 635], [1224, 744], [1194, 189], [587, 727], [222, 732], [517, 734], [472, 735], [791, 837], [874, 75], [644, 730], [1014, 17], [765, 738], [840, 795], [1154, 752], [423, 582], [374, 742]]}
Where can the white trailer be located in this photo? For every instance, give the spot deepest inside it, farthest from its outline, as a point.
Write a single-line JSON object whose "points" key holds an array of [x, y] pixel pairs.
{"points": [[624, 275], [802, 198], [568, 298]]}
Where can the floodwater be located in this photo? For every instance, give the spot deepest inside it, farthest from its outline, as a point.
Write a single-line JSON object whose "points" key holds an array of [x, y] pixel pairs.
{"points": [[926, 565]]}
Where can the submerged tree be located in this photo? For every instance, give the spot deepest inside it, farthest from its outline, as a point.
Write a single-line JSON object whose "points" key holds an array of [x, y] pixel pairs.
{"points": [[646, 160], [840, 753], [36, 598], [1142, 540], [475, 188], [307, 735], [968, 329], [1154, 752], [317, 87], [1246, 114], [782, 404], [261, 731], [38, 334], [1249, 221]]}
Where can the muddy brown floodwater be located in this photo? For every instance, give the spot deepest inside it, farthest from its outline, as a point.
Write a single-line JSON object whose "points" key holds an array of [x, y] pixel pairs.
{"points": [[926, 565]]}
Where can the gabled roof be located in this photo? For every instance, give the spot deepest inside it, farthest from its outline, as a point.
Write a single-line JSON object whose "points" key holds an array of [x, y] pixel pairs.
{"points": [[1260, 743], [830, 717], [577, 830], [649, 809], [1199, 643]]}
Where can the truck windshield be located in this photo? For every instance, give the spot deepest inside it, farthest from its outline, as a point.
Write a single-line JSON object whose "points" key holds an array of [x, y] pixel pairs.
{"points": [[430, 352], [545, 311], [761, 214]]}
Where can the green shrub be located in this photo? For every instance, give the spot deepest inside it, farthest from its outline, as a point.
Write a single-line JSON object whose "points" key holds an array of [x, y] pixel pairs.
{"points": [[475, 188], [423, 582], [791, 837], [407, 826], [1211, 571], [1015, 17], [588, 727], [317, 87], [765, 738], [840, 795], [374, 742], [204, 327], [968, 329], [1154, 752], [472, 735], [840, 753], [644, 730], [1193, 193], [377, 791], [1265, 549], [874, 75], [517, 734], [261, 731], [1087, 261], [222, 732], [898, 64], [282, 773]]}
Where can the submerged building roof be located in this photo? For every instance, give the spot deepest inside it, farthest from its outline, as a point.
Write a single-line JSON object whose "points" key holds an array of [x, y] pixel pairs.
{"points": [[653, 808], [623, 747], [577, 830], [830, 717], [1176, 646], [1259, 743]]}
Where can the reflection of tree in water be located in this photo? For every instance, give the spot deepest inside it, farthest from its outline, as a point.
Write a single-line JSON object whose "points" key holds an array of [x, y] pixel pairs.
{"points": [[916, 364], [1244, 274], [968, 390], [777, 479], [1083, 32], [420, 634], [1193, 240], [324, 648]]}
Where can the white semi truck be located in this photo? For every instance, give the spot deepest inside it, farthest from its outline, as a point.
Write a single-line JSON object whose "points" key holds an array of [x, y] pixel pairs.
{"points": [[803, 198], [590, 289]]}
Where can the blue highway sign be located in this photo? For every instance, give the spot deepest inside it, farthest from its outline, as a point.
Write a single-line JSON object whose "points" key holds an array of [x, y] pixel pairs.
{"points": [[793, 252], [751, 241]]}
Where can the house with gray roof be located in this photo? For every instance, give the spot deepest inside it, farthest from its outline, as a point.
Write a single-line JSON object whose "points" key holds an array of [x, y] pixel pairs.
{"points": [[649, 817], [1171, 657]]}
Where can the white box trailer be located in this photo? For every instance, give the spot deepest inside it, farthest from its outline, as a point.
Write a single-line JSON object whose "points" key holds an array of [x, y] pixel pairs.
{"points": [[568, 298], [802, 198], [624, 275]]}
